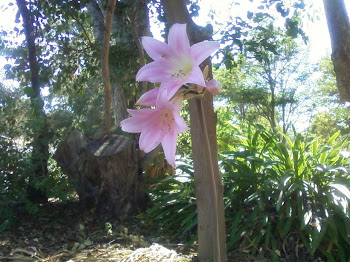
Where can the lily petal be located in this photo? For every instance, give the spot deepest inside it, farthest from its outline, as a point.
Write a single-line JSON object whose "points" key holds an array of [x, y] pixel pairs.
{"points": [[169, 147], [171, 88], [213, 86], [202, 50], [196, 77], [180, 124], [156, 71], [139, 120], [176, 101], [149, 98], [145, 112], [150, 138], [163, 100], [178, 39], [154, 48], [132, 125]]}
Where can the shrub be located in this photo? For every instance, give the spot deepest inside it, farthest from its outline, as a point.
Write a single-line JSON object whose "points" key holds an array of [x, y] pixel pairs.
{"points": [[173, 207], [14, 175], [284, 197], [291, 193]]}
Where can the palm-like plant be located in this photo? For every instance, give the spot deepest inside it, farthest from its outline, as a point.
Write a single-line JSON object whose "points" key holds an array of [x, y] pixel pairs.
{"points": [[284, 198], [291, 191]]}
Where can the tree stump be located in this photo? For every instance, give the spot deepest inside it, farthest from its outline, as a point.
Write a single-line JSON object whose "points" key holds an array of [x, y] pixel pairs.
{"points": [[105, 173]]}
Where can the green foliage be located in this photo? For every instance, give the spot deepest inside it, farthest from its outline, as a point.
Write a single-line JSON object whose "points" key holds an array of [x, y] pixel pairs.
{"points": [[279, 192], [173, 209], [327, 83], [13, 160], [291, 187], [267, 84], [68, 53], [241, 34], [323, 126], [57, 185], [16, 165], [332, 115]]}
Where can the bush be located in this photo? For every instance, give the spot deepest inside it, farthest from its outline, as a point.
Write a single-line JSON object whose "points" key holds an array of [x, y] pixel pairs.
{"points": [[14, 176], [291, 193], [283, 197], [15, 159], [173, 207], [12, 182]]}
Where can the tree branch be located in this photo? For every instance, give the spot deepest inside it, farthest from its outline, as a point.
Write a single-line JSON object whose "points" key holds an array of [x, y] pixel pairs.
{"points": [[83, 28], [32, 55], [105, 66], [138, 42]]}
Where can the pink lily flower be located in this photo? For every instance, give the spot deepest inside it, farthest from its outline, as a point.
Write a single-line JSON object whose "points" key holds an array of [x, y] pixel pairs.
{"points": [[175, 63], [213, 86], [159, 125], [150, 99]]}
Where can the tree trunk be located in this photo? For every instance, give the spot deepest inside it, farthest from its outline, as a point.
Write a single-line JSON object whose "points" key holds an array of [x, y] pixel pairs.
{"points": [[105, 173], [211, 219], [107, 170], [105, 66], [339, 30], [40, 151], [118, 97]]}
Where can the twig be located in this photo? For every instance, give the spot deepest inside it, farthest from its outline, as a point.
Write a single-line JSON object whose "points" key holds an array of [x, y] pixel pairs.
{"points": [[85, 33]]}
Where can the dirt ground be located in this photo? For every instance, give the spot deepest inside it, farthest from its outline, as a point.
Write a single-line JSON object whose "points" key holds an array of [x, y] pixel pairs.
{"points": [[63, 232]]}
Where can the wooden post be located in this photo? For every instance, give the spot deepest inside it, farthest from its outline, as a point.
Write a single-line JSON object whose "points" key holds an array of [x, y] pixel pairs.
{"points": [[209, 188]]}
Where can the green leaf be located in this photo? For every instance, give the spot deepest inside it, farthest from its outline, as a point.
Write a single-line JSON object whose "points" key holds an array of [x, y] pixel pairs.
{"points": [[306, 219], [292, 188], [289, 141], [249, 15], [333, 137], [7, 67], [279, 201], [342, 189], [28, 91], [317, 237], [267, 235], [285, 154], [287, 226]]}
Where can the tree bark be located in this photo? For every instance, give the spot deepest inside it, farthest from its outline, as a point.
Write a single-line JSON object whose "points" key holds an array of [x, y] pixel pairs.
{"points": [[117, 96], [97, 21], [40, 153], [105, 65], [106, 173], [339, 30], [137, 40], [110, 182], [211, 219]]}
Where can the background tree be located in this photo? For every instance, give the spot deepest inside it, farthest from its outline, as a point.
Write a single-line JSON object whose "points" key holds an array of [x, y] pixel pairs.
{"points": [[339, 30], [111, 155], [330, 115], [260, 71], [267, 85], [40, 129]]}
